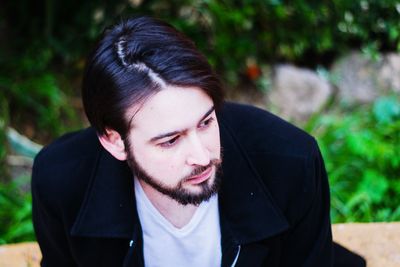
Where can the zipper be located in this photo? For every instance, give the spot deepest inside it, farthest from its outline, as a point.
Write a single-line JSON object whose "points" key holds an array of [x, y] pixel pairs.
{"points": [[236, 257], [128, 257]]}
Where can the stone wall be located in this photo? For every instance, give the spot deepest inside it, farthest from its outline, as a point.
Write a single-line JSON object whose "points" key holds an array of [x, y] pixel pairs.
{"points": [[378, 243], [297, 93]]}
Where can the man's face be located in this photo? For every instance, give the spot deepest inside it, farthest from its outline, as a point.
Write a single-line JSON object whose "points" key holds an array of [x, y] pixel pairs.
{"points": [[174, 146]]}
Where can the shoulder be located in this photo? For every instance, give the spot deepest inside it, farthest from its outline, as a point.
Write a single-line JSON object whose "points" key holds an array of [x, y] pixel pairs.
{"points": [[69, 147], [62, 169], [283, 157], [259, 130]]}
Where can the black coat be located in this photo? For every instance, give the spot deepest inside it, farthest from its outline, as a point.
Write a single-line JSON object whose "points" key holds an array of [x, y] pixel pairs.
{"points": [[274, 200]]}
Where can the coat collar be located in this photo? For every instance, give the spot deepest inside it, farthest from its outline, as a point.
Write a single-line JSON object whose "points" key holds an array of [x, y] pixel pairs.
{"points": [[246, 204], [247, 208], [109, 208]]}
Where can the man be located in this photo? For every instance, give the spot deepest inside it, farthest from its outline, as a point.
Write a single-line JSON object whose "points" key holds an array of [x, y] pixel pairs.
{"points": [[170, 175]]}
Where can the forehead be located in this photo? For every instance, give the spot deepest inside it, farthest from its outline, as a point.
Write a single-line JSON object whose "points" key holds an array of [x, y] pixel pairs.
{"points": [[171, 109]]}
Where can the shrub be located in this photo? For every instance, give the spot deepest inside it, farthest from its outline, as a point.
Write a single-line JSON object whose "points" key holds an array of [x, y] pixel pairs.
{"points": [[231, 33], [362, 154], [33, 96], [16, 211], [3, 148]]}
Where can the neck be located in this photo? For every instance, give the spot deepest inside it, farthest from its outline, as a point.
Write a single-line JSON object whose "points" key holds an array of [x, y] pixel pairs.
{"points": [[177, 214]]}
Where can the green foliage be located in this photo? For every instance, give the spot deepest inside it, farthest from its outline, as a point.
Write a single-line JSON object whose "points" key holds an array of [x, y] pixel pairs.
{"points": [[2, 150], [3, 125], [15, 212], [229, 32], [34, 97], [305, 32], [362, 154]]}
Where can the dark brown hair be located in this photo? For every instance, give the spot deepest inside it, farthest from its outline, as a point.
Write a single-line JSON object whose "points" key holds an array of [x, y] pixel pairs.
{"points": [[135, 59]]}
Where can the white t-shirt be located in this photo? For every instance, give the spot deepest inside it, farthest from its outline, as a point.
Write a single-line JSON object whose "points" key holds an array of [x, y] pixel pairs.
{"points": [[197, 244]]}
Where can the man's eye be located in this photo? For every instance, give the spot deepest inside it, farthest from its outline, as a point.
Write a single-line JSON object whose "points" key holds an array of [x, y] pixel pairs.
{"points": [[206, 123], [170, 142]]}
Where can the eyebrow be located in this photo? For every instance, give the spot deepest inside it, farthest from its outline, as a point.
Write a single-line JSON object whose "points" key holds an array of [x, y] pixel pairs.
{"points": [[161, 136]]}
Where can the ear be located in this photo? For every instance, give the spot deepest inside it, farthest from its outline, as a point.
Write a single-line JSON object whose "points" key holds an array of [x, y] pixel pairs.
{"points": [[113, 143]]}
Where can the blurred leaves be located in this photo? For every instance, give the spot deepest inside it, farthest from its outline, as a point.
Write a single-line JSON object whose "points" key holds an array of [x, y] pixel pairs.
{"points": [[229, 32], [15, 212], [362, 154], [386, 110], [33, 95]]}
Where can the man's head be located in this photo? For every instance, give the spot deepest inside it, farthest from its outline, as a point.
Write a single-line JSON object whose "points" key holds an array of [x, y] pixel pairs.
{"points": [[134, 60], [152, 96]]}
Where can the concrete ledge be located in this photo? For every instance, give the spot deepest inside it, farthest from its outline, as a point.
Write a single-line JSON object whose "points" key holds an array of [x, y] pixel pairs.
{"points": [[378, 243], [20, 255]]}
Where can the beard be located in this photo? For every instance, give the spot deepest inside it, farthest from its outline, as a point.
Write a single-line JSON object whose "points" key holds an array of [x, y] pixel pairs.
{"points": [[179, 193]]}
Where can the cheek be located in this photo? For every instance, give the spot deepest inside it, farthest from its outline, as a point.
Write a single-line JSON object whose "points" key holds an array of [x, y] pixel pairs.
{"points": [[157, 162], [213, 140], [160, 164]]}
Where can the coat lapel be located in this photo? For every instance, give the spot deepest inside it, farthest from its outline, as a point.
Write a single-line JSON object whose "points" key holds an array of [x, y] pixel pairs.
{"points": [[247, 210], [109, 208], [245, 202]]}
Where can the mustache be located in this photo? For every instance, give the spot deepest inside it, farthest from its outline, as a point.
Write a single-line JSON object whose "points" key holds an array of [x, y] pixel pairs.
{"points": [[201, 169]]}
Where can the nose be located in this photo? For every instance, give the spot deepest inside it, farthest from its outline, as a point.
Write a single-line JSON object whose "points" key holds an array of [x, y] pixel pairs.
{"points": [[198, 153]]}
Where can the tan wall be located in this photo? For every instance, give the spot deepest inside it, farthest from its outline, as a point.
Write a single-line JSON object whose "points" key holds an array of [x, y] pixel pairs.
{"points": [[378, 243]]}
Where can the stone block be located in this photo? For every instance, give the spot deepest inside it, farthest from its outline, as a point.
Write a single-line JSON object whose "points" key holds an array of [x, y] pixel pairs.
{"points": [[377, 243]]}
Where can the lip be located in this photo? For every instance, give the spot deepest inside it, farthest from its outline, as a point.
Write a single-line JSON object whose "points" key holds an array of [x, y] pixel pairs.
{"points": [[201, 177]]}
